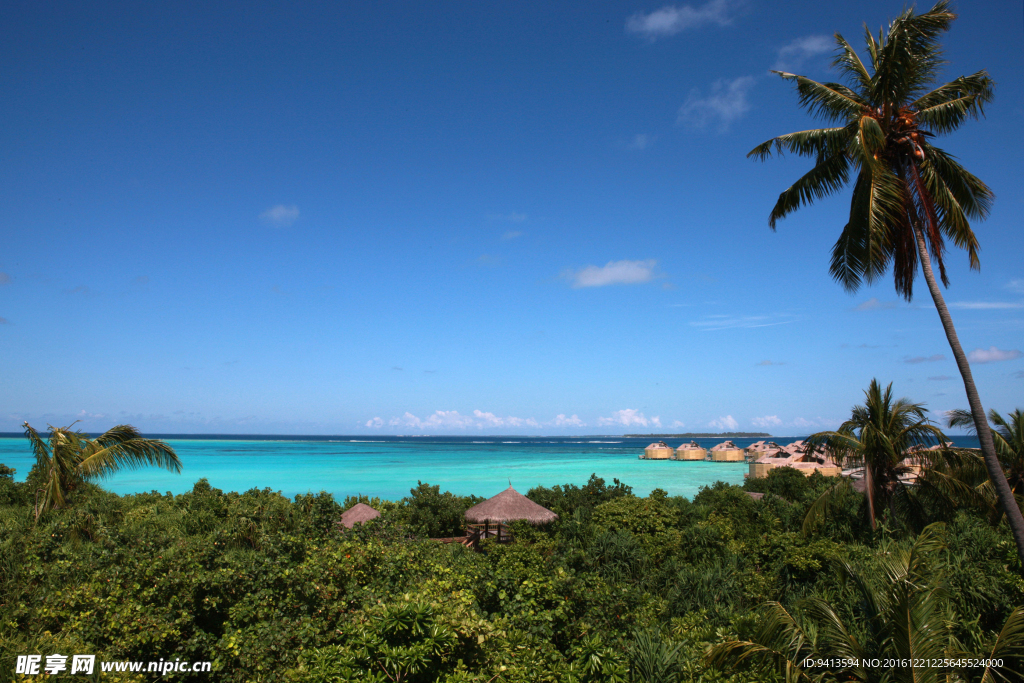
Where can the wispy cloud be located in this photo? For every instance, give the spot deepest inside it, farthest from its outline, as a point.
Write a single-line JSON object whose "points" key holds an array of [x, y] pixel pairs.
{"points": [[802, 423], [914, 360], [639, 142], [492, 420], [727, 102], [453, 419], [1016, 286], [563, 421], [612, 273], [450, 419], [992, 355], [375, 423], [673, 19], [793, 55], [873, 304], [770, 362], [726, 423], [676, 424], [281, 216], [512, 234], [5, 279], [985, 305], [940, 378], [712, 323], [766, 421], [629, 417]]}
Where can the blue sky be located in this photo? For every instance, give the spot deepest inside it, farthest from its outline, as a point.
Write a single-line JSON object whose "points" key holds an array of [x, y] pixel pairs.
{"points": [[499, 217]]}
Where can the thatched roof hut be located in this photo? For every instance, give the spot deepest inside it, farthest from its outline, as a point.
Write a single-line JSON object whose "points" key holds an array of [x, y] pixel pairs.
{"points": [[727, 451], [357, 514], [509, 506], [690, 451], [659, 450]]}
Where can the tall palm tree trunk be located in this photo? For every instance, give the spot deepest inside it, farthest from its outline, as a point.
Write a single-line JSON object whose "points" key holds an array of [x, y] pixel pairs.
{"points": [[988, 449], [869, 487]]}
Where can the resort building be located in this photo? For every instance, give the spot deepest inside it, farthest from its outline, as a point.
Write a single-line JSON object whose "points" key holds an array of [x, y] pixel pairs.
{"points": [[490, 518], [800, 457], [691, 451], [659, 450], [760, 449], [727, 451], [917, 460]]}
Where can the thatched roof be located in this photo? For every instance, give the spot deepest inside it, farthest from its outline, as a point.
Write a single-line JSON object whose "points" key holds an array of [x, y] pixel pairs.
{"points": [[509, 506], [357, 514]]}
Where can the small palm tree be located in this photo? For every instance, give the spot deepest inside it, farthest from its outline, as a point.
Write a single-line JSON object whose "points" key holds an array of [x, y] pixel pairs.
{"points": [[1008, 435], [902, 631], [909, 196], [878, 437], [68, 458]]}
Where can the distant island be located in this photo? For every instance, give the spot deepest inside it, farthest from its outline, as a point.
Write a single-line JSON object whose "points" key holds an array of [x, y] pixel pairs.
{"points": [[701, 435]]}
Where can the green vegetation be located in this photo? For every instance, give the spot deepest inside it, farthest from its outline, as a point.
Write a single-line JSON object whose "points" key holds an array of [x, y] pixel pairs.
{"points": [[909, 195], [621, 588]]}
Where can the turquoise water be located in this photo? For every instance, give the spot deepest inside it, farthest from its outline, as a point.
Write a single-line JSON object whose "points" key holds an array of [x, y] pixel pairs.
{"points": [[388, 467]]}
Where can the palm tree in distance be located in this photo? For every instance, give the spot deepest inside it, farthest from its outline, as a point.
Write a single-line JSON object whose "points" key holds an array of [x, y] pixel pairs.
{"points": [[68, 458], [877, 437], [1008, 435], [909, 195]]}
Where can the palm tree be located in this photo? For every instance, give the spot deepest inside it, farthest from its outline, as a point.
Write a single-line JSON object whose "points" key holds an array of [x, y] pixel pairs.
{"points": [[904, 620], [69, 458], [878, 437], [1008, 435], [909, 195]]}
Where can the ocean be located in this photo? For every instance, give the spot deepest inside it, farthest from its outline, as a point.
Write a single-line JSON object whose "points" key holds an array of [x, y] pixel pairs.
{"points": [[387, 467]]}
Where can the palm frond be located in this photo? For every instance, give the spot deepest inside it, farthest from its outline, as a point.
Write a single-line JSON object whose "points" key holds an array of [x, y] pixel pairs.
{"points": [[973, 195], [830, 101], [825, 505], [779, 639], [849, 63], [125, 451], [827, 177], [1007, 650], [804, 143]]}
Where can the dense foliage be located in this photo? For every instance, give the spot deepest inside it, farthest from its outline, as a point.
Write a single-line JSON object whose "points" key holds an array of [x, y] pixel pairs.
{"points": [[620, 588]]}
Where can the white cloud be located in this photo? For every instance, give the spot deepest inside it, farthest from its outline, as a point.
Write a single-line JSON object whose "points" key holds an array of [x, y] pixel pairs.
{"points": [[726, 103], [613, 273], [492, 420], [711, 323], [873, 304], [375, 422], [924, 359], [440, 418], [280, 215], [640, 141], [628, 418], [985, 305], [726, 424], [670, 20], [992, 355], [793, 55], [678, 424], [801, 422], [766, 421], [563, 421], [512, 234]]}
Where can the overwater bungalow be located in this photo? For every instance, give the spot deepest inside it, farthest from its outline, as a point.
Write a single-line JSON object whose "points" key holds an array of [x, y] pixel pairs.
{"points": [[357, 514], [727, 451], [691, 451], [800, 457], [760, 449], [659, 450]]}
